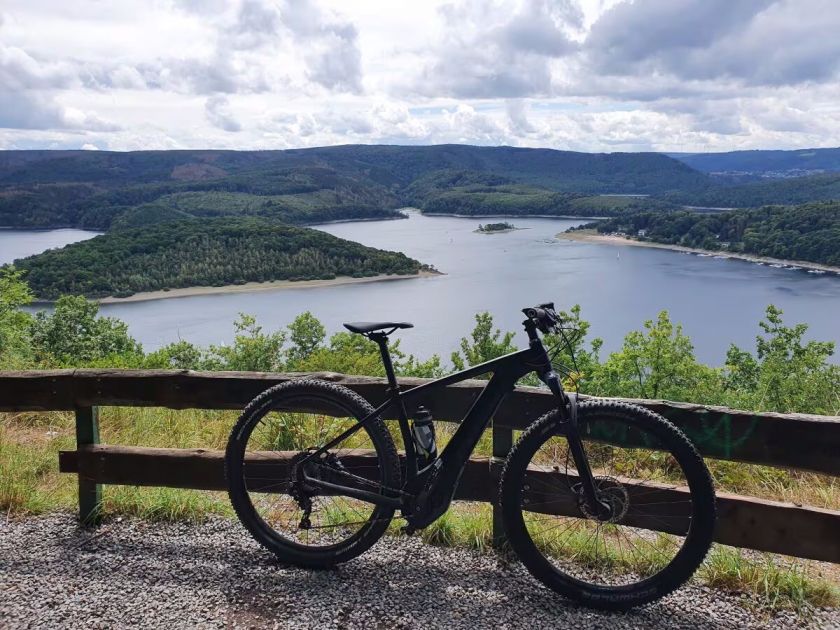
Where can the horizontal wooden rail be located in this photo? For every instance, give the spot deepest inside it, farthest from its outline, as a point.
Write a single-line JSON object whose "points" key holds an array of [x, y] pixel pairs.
{"points": [[800, 441], [746, 522]]}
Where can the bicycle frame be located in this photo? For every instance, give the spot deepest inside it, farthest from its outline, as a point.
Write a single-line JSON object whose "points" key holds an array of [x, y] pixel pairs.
{"points": [[427, 493]]}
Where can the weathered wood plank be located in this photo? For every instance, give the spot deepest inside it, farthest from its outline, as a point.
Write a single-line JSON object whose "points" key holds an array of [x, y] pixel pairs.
{"points": [[799, 441], [502, 443], [90, 491], [746, 522]]}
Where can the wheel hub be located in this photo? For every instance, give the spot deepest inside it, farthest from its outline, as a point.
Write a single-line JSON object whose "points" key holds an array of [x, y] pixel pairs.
{"points": [[612, 494]]}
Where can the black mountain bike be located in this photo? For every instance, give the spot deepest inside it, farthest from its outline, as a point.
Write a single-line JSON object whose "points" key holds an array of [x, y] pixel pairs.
{"points": [[604, 502]]}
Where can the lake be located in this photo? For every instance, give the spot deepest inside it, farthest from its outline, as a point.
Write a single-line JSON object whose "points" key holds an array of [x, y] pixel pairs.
{"points": [[717, 301], [16, 244]]}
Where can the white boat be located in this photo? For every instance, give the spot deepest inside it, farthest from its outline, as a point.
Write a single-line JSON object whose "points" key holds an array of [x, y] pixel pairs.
{"points": [[816, 271], [777, 266]]}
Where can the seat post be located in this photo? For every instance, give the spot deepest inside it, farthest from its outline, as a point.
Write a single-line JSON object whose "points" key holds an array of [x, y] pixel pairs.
{"points": [[382, 340]]}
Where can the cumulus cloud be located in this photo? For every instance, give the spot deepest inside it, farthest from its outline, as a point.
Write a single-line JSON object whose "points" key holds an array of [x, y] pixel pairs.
{"points": [[495, 52], [217, 110], [667, 75], [331, 51], [759, 42], [256, 24], [26, 95]]}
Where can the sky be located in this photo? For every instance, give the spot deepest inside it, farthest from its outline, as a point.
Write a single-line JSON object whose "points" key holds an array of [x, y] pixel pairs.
{"points": [[584, 75]]}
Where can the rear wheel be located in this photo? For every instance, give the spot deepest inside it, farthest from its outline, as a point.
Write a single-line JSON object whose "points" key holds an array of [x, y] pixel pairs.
{"points": [[268, 454], [662, 508]]}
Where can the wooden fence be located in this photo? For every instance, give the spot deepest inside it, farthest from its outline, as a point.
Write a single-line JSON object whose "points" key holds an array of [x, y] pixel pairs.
{"points": [[797, 441]]}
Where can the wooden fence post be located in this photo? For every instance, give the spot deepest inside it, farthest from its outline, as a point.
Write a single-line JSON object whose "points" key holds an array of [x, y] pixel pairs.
{"points": [[90, 492], [502, 443]]}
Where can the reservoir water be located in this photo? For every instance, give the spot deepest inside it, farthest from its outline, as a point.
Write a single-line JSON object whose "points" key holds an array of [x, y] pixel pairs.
{"points": [[717, 301], [16, 244]]}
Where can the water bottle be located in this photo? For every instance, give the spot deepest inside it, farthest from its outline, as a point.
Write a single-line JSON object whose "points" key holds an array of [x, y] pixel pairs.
{"points": [[423, 430]]}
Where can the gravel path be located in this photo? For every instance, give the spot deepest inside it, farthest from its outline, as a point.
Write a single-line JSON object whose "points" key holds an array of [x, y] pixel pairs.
{"points": [[141, 574]]}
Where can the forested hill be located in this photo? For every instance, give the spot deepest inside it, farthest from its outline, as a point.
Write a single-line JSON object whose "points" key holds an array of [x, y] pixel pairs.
{"points": [[809, 232], [383, 164], [764, 162], [214, 252], [99, 189], [789, 190]]}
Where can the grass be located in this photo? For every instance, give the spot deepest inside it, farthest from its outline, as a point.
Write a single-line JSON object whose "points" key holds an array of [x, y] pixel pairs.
{"points": [[31, 484], [778, 585], [465, 524]]}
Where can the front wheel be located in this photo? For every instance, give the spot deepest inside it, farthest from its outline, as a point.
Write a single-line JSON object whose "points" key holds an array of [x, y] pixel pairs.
{"points": [[662, 506]]}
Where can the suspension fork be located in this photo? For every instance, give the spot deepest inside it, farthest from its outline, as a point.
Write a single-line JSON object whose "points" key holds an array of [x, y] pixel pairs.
{"points": [[569, 417]]}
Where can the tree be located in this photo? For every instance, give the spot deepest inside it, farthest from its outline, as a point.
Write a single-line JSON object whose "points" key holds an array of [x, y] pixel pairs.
{"points": [[181, 355], [14, 323], [73, 335], [568, 354], [252, 349], [658, 362], [484, 343], [306, 334], [786, 373]]}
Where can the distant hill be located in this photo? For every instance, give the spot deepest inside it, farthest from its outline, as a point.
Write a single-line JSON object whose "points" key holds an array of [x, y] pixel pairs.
{"points": [[790, 190], [101, 190], [94, 189], [384, 164], [765, 163], [203, 252]]}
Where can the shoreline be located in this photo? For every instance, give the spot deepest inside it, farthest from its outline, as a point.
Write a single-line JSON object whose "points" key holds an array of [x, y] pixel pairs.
{"points": [[362, 220], [608, 239], [511, 216], [254, 287]]}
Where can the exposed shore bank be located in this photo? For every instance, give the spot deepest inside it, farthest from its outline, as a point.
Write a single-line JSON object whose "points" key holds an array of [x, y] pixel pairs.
{"points": [[510, 216], [593, 237], [251, 287]]}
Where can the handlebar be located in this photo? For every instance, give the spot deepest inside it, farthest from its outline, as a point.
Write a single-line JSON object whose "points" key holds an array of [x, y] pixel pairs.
{"points": [[544, 317]]}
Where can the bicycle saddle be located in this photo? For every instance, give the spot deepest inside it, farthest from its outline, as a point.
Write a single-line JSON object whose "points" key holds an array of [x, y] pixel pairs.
{"points": [[364, 328]]}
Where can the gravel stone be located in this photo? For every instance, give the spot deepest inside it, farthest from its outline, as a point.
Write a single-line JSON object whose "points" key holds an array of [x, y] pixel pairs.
{"points": [[132, 573]]}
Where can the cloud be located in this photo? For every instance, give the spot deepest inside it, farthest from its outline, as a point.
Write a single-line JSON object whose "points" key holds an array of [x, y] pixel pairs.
{"points": [[761, 42], [517, 114], [331, 51], [20, 71], [491, 52], [217, 110], [26, 95], [256, 24], [23, 110], [573, 74]]}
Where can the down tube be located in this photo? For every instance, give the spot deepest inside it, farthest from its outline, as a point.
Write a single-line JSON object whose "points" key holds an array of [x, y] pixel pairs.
{"points": [[462, 444]]}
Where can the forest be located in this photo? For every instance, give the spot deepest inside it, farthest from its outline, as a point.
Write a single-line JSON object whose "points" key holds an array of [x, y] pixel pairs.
{"points": [[808, 232], [98, 190], [211, 252], [773, 162], [86, 190], [786, 190]]}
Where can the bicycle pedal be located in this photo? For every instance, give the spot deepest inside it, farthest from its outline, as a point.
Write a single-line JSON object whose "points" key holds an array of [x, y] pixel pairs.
{"points": [[408, 530]]}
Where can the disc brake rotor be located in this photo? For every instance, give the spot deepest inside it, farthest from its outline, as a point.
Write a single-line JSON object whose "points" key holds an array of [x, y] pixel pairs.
{"points": [[609, 490]]}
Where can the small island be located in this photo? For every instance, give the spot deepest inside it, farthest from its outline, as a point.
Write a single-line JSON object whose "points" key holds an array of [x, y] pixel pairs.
{"points": [[495, 228]]}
